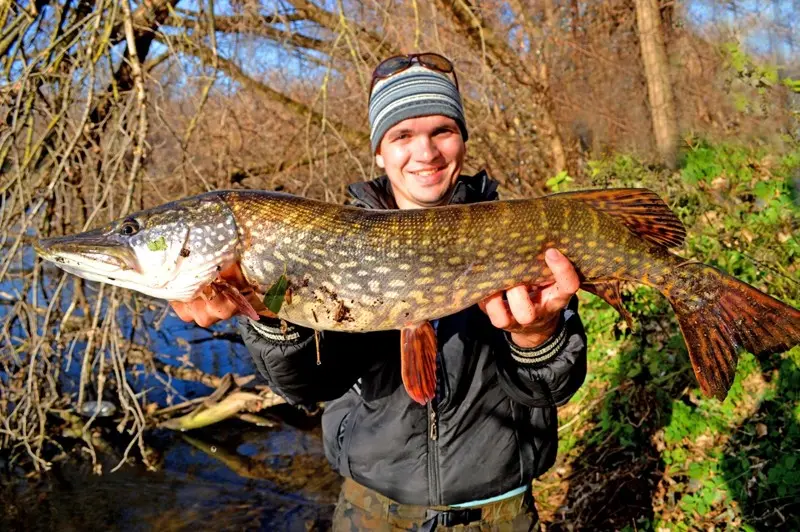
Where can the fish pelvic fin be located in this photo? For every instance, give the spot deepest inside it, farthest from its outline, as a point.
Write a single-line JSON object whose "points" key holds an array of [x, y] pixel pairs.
{"points": [[418, 348], [720, 316], [241, 302], [641, 210], [610, 292]]}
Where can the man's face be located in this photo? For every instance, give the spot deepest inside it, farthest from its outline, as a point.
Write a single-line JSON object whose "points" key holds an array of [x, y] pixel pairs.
{"points": [[422, 158]]}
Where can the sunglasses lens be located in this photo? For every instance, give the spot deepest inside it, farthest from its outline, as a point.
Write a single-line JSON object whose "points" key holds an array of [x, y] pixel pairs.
{"points": [[391, 66], [436, 62]]}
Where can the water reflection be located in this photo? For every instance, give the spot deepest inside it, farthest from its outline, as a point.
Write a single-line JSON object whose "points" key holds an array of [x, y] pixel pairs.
{"points": [[228, 477]]}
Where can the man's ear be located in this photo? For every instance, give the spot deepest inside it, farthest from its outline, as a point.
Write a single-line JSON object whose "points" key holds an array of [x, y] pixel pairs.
{"points": [[379, 160]]}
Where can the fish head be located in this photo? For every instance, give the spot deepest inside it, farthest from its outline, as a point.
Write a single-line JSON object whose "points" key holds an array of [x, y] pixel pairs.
{"points": [[169, 252]]}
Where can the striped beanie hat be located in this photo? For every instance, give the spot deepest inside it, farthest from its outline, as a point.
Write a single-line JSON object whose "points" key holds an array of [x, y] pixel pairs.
{"points": [[414, 92]]}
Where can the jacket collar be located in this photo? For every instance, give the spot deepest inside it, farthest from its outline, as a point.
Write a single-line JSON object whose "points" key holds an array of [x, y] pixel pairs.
{"points": [[377, 194]]}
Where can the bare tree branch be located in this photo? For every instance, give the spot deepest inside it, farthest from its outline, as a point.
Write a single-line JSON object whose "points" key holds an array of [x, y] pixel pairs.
{"points": [[236, 73], [482, 36]]}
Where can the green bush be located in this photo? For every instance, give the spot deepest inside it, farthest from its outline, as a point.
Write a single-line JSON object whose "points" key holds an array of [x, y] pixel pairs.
{"points": [[707, 463]]}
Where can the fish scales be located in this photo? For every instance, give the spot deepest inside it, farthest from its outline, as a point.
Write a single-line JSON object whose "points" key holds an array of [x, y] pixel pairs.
{"points": [[353, 269]]}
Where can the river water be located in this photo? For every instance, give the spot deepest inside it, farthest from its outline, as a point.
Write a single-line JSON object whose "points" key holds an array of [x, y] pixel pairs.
{"points": [[225, 478], [230, 476]]}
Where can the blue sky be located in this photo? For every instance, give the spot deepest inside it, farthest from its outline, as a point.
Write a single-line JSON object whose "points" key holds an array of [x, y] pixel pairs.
{"points": [[765, 28]]}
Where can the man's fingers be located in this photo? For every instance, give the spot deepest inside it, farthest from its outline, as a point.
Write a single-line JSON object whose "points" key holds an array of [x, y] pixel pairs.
{"points": [[498, 312], [520, 304], [206, 310], [566, 278], [222, 308], [197, 307], [530, 311], [182, 310], [206, 320]]}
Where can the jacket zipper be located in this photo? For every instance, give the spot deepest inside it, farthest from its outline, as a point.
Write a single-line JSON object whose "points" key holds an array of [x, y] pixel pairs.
{"points": [[433, 437], [433, 457]]}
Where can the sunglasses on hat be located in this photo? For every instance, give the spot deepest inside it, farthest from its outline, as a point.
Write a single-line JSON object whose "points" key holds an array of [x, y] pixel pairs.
{"points": [[399, 63]]}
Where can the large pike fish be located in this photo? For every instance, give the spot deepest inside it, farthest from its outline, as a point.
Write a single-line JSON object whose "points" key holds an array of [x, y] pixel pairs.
{"points": [[350, 269]]}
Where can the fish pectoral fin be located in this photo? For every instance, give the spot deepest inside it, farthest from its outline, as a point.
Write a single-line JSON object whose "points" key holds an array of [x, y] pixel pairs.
{"points": [[642, 211], [418, 348], [233, 293], [609, 291]]}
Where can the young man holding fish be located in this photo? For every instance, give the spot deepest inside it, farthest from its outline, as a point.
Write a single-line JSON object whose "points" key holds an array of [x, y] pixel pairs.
{"points": [[487, 428]]}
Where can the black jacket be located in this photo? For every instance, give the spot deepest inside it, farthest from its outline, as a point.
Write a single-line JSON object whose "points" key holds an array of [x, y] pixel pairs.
{"points": [[492, 426]]}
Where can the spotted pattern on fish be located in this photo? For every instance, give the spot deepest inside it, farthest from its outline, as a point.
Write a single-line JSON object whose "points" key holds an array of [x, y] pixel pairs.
{"points": [[462, 254]]}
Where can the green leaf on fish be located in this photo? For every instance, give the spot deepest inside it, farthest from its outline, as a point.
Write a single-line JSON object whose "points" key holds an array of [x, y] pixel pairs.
{"points": [[159, 244], [274, 297]]}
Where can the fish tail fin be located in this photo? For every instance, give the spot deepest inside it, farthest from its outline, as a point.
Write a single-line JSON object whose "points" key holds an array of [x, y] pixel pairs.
{"points": [[720, 316]]}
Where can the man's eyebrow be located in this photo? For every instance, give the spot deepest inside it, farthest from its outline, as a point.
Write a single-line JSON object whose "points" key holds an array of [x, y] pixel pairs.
{"points": [[400, 132]]}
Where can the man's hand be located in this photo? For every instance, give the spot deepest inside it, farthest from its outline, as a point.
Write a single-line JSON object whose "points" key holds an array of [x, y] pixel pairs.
{"points": [[532, 317], [214, 306]]}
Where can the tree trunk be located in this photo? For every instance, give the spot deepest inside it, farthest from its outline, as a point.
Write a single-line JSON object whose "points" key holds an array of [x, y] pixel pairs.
{"points": [[659, 88]]}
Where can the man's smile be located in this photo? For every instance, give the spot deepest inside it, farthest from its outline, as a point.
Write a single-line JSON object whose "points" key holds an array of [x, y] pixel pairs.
{"points": [[428, 175]]}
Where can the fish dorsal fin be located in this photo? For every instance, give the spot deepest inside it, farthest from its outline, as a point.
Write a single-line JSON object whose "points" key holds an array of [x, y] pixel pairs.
{"points": [[642, 211]]}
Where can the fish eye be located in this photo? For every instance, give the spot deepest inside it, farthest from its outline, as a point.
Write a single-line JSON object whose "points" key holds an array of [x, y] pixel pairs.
{"points": [[129, 227]]}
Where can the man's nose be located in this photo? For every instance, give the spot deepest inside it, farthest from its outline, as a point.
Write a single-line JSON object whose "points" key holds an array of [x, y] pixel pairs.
{"points": [[425, 149]]}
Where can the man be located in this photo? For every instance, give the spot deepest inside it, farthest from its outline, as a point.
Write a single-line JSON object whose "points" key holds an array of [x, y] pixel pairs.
{"points": [[469, 456]]}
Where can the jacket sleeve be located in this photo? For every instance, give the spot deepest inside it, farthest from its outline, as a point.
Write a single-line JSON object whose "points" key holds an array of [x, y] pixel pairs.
{"points": [[287, 360], [550, 374]]}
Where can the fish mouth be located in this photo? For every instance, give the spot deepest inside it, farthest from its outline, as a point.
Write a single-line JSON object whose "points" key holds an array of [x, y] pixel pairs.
{"points": [[92, 252]]}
